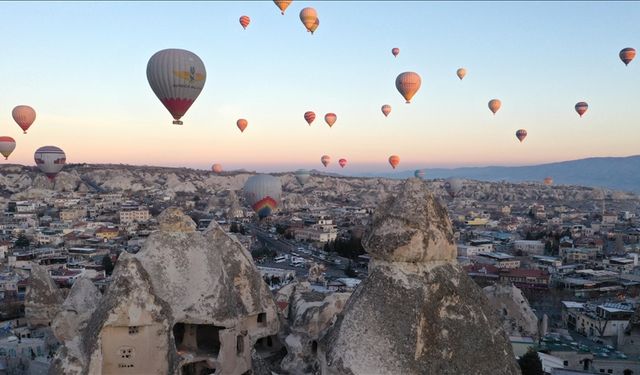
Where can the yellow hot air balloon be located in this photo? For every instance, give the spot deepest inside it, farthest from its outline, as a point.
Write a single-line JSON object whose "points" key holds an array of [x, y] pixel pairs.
{"points": [[408, 83], [494, 105], [308, 16], [461, 73]]}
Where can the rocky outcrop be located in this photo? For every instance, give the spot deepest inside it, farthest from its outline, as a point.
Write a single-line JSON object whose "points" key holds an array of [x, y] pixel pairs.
{"points": [[417, 312], [514, 310], [76, 310], [43, 298]]}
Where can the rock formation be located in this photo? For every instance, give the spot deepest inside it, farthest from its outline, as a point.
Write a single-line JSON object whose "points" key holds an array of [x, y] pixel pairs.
{"points": [[42, 300], [417, 312], [76, 310], [513, 309]]}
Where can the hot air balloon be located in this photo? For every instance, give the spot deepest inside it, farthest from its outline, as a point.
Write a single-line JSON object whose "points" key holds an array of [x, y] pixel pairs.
{"points": [[521, 134], [242, 124], [302, 175], [386, 109], [176, 77], [245, 21], [24, 116], [548, 181], [330, 118], [50, 160], [309, 116], [627, 55], [325, 159], [282, 5], [395, 51], [315, 25], [263, 192], [494, 105], [308, 16], [453, 186], [408, 83], [216, 168], [420, 173], [7, 145], [581, 108], [461, 73], [394, 160], [342, 162]]}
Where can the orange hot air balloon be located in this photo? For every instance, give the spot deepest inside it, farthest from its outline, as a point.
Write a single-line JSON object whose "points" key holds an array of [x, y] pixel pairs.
{"points": [[308, 16], [330, 118], [216, 168], [315, 25], [394, 160], [342, 162], [395, 51], [325, 159], [245, 21], [461, 73], [408, 83], [242, 124], [309, 116], [521, 134], [627, 54], [282, 5], [581, 108], [386, 109], [494, 105], [24, 116], [548, 181]]}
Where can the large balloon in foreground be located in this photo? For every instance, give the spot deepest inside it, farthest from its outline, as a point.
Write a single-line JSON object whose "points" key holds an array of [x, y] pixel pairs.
{"points": [[24, 116], [548, 181], [408, 83], [302, 175], [263, 192], [453, 186], [581, 108], [7, 145], [330, 118], [420, 173], [315, 25], [494, 105], [342, 162], [325, 160], [627, 55], [394, 160], [395, 51], [309, 116], [245, 21], [216, 168], [461, 73], [50, 160], [176, 77], [521, 134], [242, 124], [386, 109], [308, 16], [282, 5]]}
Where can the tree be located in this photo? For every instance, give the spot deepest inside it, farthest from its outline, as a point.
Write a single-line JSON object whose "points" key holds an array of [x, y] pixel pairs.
{"points": [[107, 264], [22, 242], [234, 227], [530, 363]]}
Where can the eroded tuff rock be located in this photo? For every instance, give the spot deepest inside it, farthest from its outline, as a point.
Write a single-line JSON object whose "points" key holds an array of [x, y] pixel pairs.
{"points": [[513, 309], [76, 310], [43, 298], [417, 312]]}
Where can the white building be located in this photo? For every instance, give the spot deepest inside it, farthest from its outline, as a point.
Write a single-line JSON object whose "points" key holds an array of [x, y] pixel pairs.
{"points": [[529, 247]]}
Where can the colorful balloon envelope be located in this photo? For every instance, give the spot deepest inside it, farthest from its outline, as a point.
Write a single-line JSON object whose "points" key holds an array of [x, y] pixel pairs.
{"points": [[394, 160], [453, 186], [325, 160], [302, 175], [309, 116], [386, 109], [282, 5], [581, 108], [216, 168], [395, 51], [263, 192], [420, 173], [408, 84], [461, 73], [330, 118], [548, 181], [7, 145], [494, 105], [308, 16], [521, 134], [627, 55], [24, 116], [342, 162], [177, 77], [245, 21], [50, 160], [242, 124]]}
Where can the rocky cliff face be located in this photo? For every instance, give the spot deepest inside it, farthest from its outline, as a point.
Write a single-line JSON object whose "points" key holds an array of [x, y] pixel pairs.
{"points": [[513, 309], [76, 310], [43, 298], [417, 312]]}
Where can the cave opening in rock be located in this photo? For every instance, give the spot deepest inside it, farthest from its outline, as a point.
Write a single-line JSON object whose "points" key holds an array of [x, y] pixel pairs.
{"points": [[197, 368], [197, 338]]}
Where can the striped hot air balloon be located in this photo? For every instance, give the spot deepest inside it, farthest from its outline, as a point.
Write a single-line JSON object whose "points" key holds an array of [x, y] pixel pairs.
{"points": [[245, 21], [282, 5], [50, 160], [24, 116], [216, 168], [7, 145], [242, 124], [394, 160], [177, 77], [330, 118], [420, 173], [302, 175], [342, 162], [263, 193], [395, 51], [627, 55], [386, 109], [494, 105], [309, 116], [521, 134], [581, 108], [325, 160], [408, 84]]}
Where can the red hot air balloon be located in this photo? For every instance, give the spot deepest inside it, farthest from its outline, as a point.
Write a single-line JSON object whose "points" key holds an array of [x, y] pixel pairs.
{"points": [[309, 116], [242, 124], [581, 108], [342, 162], [245, 21], [216, 168], [330, 118], [325, 159], [521, 134], [408, 84], [627, 55], [177, 77], [494, 105], [386, 109], [394, 160], [24, 116], [395, 51]]}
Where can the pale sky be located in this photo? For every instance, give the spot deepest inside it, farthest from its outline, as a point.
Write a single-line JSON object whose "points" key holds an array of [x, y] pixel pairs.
{"points": [[82, 66]]}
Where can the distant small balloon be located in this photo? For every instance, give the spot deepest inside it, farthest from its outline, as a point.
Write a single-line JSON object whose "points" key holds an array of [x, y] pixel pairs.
{"points": [[282, 5], [325, 159], [386, 109], [548, 181], [245, 21], [394, 160], [216, 168], [308, 16], [302, 175], [7, 145], [494, 105], [342, 162], [330, 118], [309, 116], [461, 73], [627, 55], [408, 84], [395, 51], [521, 134], [581, 108], [24, 116], [453, 186], [420, 173], [263, 193], [242, 124]]}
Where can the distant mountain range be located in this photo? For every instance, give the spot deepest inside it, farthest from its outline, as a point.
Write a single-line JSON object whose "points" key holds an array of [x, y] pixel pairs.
{"points": [[619, 173]]}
